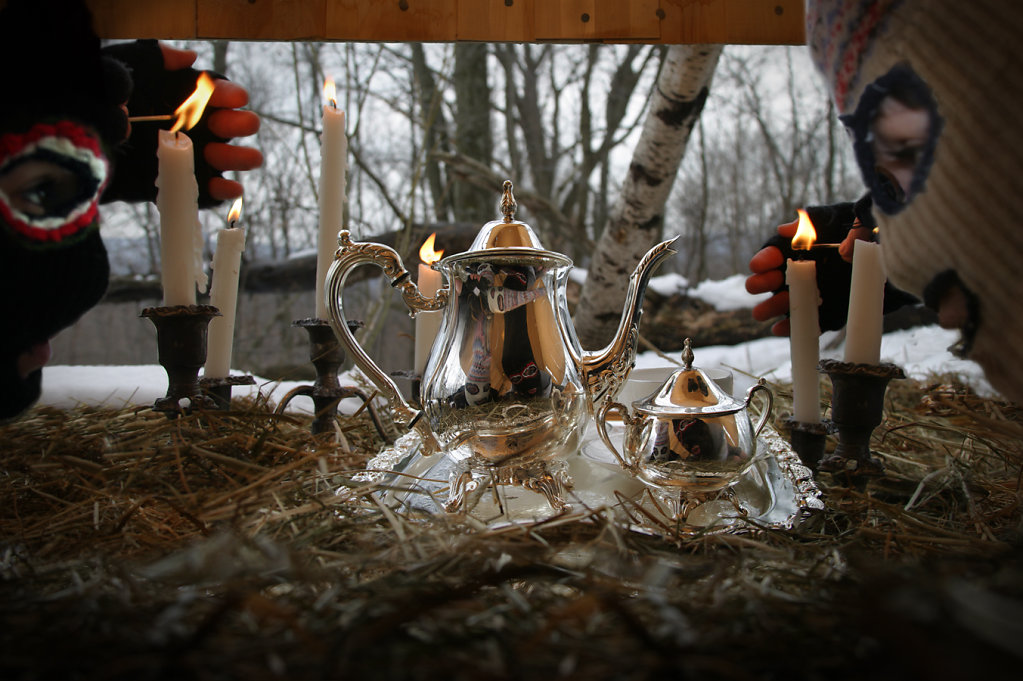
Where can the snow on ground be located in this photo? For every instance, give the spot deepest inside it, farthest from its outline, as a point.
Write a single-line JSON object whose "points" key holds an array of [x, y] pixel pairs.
{"points": [[921, 352]]}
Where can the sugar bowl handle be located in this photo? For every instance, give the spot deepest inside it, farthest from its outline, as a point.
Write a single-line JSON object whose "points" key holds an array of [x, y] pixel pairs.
{"points": [[761, 386], [601, 420]]}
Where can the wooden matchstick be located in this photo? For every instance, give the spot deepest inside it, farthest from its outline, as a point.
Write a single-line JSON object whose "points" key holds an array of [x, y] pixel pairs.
{"points": [[142, 119]]}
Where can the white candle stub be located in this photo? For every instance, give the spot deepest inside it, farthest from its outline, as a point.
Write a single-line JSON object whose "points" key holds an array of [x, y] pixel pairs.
{"points": [[427, 323], [333, 165], [804, 339], [866, 305]]}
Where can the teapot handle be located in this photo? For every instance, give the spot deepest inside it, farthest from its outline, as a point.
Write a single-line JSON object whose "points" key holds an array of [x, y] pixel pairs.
{"points": [[351, 254], [761, 385], [601, 421]]}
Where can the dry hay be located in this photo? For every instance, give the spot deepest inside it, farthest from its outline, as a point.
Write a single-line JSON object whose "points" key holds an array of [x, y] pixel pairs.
{"points": [[218, 546]]}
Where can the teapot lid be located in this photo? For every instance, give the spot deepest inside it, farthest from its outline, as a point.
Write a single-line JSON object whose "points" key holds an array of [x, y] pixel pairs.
{"points": [[507, 237], [689, 391]]}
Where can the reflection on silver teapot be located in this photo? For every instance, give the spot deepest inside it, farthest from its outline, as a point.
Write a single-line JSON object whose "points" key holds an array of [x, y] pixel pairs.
{"points": [[507, 388], [689, 437]]}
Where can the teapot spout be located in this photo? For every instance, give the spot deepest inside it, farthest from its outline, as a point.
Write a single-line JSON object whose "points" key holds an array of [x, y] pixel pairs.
{"points": [[605, 370]]}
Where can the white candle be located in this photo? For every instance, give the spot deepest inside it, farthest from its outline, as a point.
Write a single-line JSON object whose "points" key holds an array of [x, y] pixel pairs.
{"points": [[866, 305], [333, 162], [427, 323], [177, 199], [227, 262], [804, 339]]}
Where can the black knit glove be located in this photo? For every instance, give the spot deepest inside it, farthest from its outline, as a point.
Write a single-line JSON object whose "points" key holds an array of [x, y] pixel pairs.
{"points": [[156, 91]]}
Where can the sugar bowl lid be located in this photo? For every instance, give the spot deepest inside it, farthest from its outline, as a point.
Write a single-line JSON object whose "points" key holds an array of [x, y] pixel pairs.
{"points": [[689, 392]]}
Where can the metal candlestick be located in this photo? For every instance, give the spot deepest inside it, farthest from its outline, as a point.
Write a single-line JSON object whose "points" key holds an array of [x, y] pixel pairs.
{"points": [[857, 407], [219, 388], [327, 356], [181, 346], [807, 440]]}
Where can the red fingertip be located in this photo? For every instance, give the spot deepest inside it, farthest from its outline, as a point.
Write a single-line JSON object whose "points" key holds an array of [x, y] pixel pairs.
{"points": [[781, 328], [222, 189], [228, 95], [230, 157], [769, 258]]}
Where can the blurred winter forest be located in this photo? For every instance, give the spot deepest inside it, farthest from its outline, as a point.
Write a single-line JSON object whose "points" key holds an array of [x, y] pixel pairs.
{"points": [[434, 129]]}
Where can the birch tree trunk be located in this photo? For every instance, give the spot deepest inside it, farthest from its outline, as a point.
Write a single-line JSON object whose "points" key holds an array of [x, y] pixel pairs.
{"points": [[637, 220]]}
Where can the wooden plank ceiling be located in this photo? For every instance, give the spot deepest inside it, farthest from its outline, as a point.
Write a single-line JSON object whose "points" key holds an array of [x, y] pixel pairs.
{"points": [[766, 22]]}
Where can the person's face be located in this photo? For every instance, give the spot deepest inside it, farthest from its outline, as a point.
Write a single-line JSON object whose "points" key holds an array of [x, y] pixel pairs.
{"points": [[52, 262], [899, 136], [529, 380], [894, 129]]}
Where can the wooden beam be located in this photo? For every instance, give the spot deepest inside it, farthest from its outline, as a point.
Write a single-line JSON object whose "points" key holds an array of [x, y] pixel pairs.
{"points": [[164, 19], [261, 19], [392, 20], [767, 22], [597, 20], [743, 22]]}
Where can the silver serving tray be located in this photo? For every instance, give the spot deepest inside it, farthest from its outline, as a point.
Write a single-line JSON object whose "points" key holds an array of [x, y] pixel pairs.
{"points": [[777, 492]]}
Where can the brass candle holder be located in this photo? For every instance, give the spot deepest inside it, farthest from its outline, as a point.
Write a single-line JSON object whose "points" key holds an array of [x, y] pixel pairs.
{"points": [[181, 346], [857, 408], [327, 356], [808, 439], [219, 388]]}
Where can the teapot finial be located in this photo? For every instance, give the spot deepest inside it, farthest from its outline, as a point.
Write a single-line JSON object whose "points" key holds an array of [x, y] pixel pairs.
{"points": [[687, 353], [508, 202]]}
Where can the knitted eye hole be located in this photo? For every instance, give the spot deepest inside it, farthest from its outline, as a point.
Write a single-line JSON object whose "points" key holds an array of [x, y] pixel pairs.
{"points": [[895, 129], [50, 180], [528, 371], [39, 187]]}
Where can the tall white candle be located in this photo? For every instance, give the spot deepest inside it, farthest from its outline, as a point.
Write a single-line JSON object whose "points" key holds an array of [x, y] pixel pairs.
{"points": [[866, 305], [333, 164], [227, 262], [177, 199], [804, 339]]}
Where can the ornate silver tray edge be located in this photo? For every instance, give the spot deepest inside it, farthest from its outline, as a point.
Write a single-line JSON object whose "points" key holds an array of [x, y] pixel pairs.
{"points": [[777, 493]]}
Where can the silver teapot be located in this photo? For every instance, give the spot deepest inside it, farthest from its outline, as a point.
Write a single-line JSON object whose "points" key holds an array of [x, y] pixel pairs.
{"points": [[507, 388], [688, 438]]}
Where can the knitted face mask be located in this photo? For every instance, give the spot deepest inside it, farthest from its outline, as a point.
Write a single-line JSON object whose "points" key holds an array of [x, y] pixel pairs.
{"points": [[53, 263], [932, 91], [61, 98], [51, 178]]}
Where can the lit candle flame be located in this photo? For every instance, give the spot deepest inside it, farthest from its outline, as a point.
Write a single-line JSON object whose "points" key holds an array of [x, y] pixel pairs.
{"points": [[190, 111], [426, 252], [806, 235], [235, 214], [330, 92]]}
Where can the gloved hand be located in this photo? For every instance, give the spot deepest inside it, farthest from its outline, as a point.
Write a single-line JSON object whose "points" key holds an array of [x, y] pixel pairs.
{"points": [[163, 78], [840, 224]]}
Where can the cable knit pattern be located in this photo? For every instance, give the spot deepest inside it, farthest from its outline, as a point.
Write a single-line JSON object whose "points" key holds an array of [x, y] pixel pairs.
{"points": [[965, 218]]}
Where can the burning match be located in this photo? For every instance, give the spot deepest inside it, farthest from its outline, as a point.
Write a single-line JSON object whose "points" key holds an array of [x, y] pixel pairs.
{"points": [[188, 114]]}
